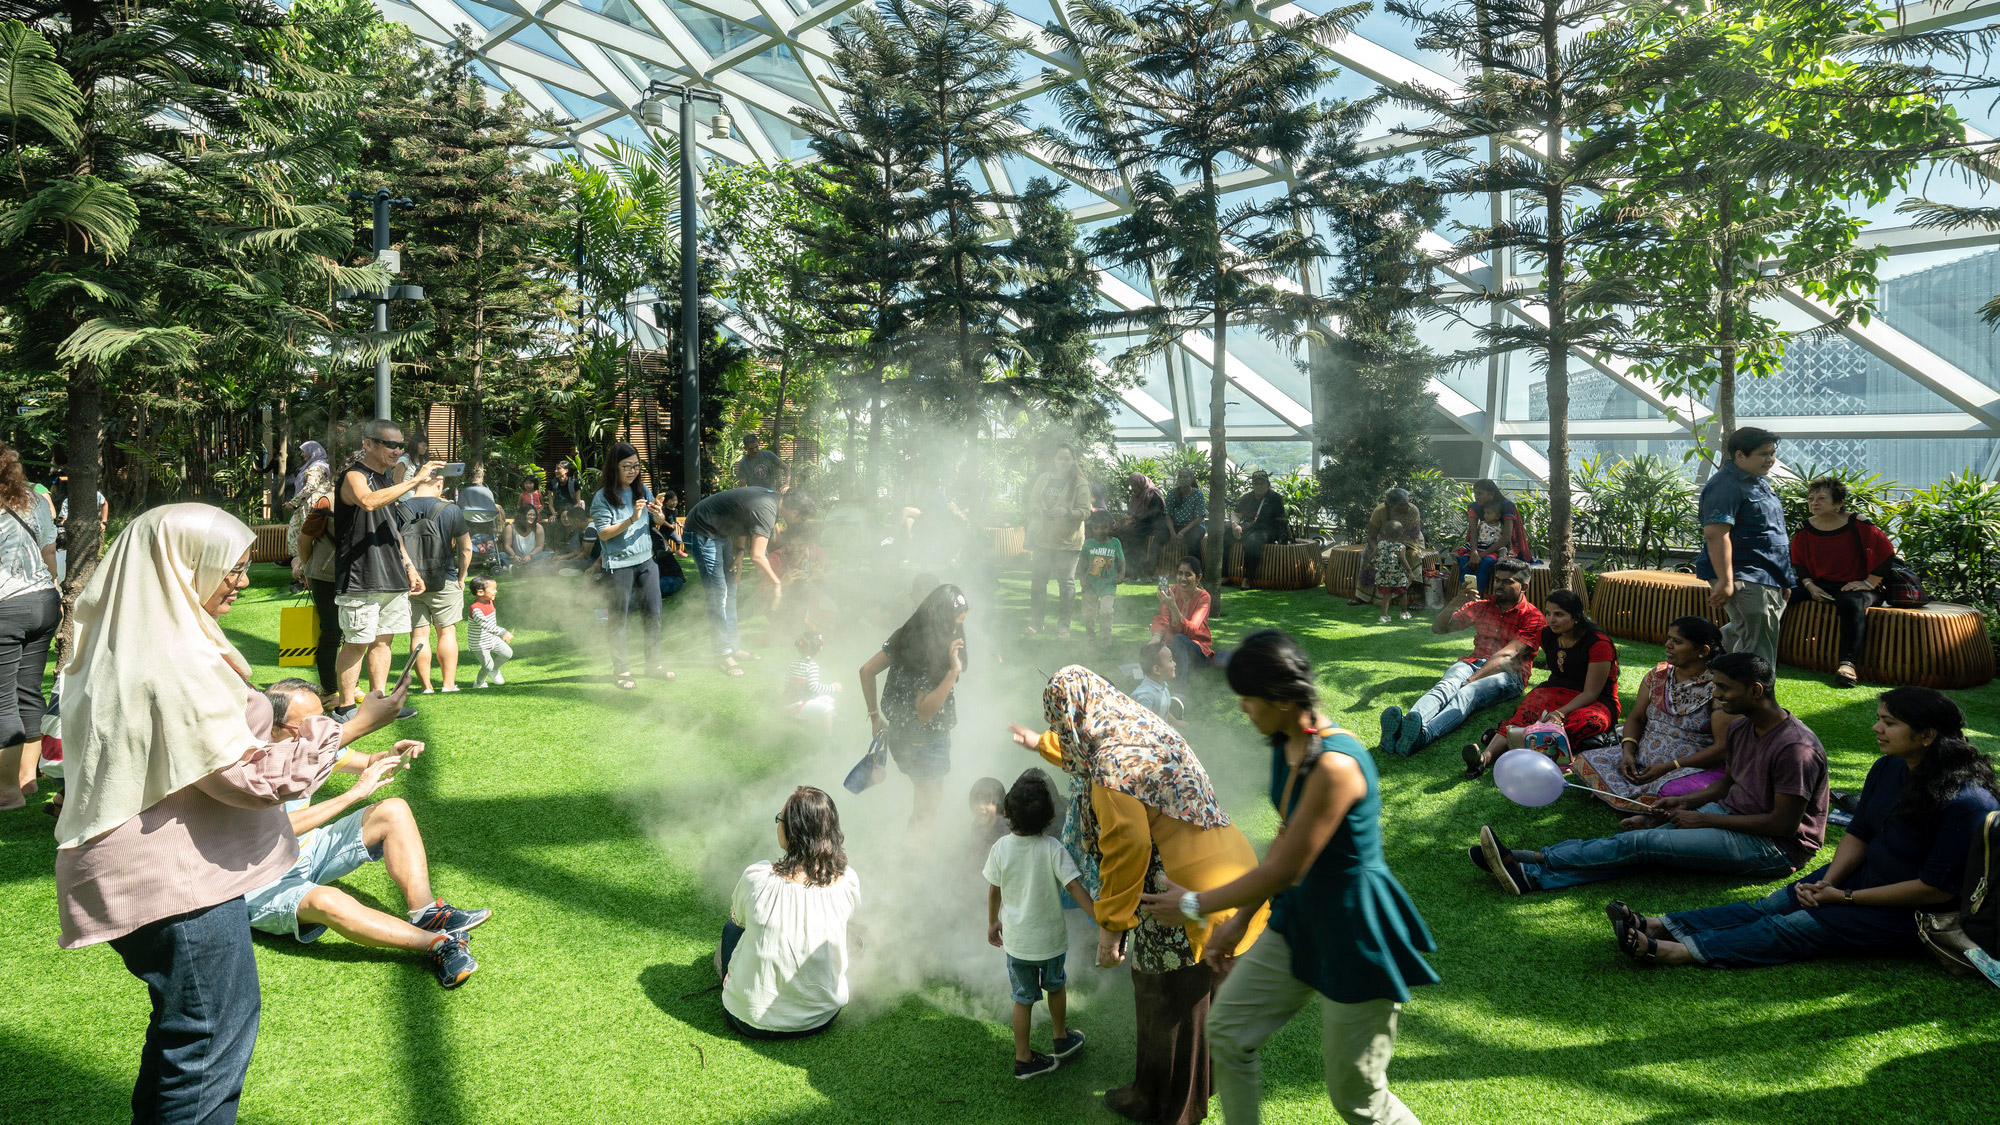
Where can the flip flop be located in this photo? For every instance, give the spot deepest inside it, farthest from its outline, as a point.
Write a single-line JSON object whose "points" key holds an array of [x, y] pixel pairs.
{"points": [[626, 683], [730, 667]]}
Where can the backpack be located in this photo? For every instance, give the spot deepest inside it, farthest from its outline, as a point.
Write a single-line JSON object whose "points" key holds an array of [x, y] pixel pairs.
{"points": [[1901, 587], [1979, 903], [430, 551]]}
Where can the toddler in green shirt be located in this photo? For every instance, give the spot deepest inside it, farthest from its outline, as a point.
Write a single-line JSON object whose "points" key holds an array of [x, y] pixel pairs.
{"points": [[1102, 561]]}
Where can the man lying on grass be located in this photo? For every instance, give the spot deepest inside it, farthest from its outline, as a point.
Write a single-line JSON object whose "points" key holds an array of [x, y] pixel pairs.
{"points": [[302, 903]]}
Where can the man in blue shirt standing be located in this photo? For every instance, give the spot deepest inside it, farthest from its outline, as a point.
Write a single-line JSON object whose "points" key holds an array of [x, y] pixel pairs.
{"points": [[1745, 555]]}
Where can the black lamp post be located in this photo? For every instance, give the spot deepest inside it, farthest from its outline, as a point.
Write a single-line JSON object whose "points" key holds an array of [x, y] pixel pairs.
{"points": [[654, 114], [383, 296]]}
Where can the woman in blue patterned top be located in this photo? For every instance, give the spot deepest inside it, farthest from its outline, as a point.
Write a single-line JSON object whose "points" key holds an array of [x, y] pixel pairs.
{"points": [[1341, 926]]}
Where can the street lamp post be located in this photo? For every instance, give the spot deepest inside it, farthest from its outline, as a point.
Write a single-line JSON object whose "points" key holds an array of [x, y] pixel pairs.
{"points": [[382, 297], [654, 114]]}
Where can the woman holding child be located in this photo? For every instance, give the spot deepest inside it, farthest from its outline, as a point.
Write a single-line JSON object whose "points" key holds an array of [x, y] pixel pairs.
{"points": [[1144, 818], [1342, 927], [1493, 531], [1674, 733]]}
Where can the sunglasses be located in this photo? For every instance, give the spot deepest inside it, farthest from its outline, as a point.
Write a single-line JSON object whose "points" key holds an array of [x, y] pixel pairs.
{"points": [[389, 444]]}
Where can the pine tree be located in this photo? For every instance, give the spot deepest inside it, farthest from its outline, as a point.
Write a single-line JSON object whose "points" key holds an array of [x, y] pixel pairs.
{"points": [[141, 168], [1723, 239], [1539, 74], [1057, 365], [478, 239], [1171, 96]]}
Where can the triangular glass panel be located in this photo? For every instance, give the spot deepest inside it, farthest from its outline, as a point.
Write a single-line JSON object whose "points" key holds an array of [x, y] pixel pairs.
{"points": [[785, 136], [534, 38], [579, 107], [716, 34], [779, 69], [624, 12], [489, 17]]}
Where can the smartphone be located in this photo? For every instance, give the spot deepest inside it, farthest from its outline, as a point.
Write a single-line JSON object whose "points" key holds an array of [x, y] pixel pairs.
{"points": [[453, 469], [1164, 582], [409, 669]]}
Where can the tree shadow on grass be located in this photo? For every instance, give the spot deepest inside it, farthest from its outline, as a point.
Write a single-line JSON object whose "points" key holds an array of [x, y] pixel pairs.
{"points": [[39, 1088]]}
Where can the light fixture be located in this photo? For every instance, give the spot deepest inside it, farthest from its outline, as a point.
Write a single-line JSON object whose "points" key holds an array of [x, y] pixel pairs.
{"points": [[653, 113], [718, 126]]}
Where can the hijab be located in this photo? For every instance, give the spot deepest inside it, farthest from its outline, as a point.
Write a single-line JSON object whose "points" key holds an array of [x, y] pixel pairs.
{"points": [[154, 690], [315, 455], [1109, 740], [1141, 493]]}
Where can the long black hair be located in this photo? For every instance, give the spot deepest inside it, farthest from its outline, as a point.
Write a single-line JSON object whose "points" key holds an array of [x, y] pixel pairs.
{"points": [[611, 489], [1700, 632], [1951, 765], [814, 846], [1271, 665], [1572, 604], [922, 644]]}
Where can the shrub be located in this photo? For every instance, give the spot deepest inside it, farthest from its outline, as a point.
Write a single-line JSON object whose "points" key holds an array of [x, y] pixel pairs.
{"points": [[1635, 510], [1949, 533], [1868, 494]]}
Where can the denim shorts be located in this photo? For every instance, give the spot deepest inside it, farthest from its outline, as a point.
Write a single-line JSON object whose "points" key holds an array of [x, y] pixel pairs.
{"points": [[1032, 978], [920, 754], [327, 854]]}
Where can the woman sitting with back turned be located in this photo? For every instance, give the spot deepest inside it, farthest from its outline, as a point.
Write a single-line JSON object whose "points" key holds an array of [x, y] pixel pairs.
{"points": [[784, 949], [1921, 807]]}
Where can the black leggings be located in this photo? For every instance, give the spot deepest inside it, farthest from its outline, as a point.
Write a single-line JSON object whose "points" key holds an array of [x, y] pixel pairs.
{"points": [[1850, 612], [329, 634], [27, 625], [626, 584]]}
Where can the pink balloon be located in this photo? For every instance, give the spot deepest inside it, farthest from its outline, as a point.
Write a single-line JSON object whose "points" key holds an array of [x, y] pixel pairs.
{"points": [[1528, 778]]}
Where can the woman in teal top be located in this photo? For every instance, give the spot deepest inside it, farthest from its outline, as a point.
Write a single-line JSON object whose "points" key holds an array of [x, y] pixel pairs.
{"points": [[1341, 926]]}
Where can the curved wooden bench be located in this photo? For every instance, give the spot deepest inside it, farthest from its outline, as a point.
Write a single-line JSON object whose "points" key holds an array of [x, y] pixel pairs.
{"points": [[1542, 580], [1943, 645], [1342, 567], [1639, 604], [270, 545], [1288, 566], [1008, 542]]}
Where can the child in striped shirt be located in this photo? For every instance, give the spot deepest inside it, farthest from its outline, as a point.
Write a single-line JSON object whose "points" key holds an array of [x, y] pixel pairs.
{"points": [[806, 698], [488, 639]]}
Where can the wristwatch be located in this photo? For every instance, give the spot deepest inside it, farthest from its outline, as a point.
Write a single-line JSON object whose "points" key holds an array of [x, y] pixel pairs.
{"points": [[1191, 906], [1848, 897]]}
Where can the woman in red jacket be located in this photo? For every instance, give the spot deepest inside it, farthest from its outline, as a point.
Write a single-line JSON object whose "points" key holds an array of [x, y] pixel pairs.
{"points": [[1839, 558], [1183, 622]]}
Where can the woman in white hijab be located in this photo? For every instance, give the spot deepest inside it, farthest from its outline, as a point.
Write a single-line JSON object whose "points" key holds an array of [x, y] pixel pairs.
{"points": [[176, 798]]}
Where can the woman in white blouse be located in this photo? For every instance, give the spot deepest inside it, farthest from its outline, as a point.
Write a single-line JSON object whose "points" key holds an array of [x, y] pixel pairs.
{"points": [[784, 949]]}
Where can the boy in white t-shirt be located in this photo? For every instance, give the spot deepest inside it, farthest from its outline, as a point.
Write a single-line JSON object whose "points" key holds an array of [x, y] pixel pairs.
{"points": [[1024, 916]]}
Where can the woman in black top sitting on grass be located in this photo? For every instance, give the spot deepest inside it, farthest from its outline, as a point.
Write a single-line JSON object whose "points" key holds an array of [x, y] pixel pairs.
{"points": [[1580, 690]]}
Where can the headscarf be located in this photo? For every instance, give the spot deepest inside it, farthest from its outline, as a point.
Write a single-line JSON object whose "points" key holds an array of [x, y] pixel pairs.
{"points": [[1109, 740], [154, 690], [315, 455], [1141, 490]]}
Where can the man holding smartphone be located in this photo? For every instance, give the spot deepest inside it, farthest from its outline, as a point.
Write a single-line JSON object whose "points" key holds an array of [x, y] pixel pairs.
{"points": [[373, 575]]}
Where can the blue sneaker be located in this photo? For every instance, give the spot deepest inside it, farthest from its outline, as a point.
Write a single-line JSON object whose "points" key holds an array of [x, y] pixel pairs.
{"points": [[443, 918], [452, 961], [1068, 1045], [1392, 731], [1411, 738]]}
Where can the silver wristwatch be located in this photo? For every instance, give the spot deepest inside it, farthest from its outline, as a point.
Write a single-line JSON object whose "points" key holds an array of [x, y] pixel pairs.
{"points": [[1191, 906]]}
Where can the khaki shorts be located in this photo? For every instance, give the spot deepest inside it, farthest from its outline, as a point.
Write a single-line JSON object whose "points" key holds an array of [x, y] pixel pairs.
{"points": [[363, 617], [443, 607]]}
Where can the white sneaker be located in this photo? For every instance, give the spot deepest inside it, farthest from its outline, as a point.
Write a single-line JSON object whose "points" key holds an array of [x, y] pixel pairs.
{"points": [[1384, 619], [1406, 615], [496, 678], [479, 685]]}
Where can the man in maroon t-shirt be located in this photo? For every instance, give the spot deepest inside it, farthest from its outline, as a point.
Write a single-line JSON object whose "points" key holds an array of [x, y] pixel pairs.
{"points": [[1764, 819], [1506, 630]]}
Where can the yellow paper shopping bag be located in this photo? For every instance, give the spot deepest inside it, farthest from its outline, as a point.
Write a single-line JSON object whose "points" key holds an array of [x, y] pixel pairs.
{"points": [[298, 636]]}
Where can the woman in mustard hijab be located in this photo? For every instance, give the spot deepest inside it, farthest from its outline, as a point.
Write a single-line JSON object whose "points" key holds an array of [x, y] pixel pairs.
{"points": [[1145, 817], [176, 798]]}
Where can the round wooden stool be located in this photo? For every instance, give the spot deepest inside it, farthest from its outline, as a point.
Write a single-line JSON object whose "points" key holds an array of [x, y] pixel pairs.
{"points": [[1639, 604], [1342, 566], [1942, 645], [270, 545], [1288, 566]]}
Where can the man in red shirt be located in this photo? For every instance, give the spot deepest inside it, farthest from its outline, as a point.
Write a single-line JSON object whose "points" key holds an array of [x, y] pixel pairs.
{"points": [[1507, 628]]}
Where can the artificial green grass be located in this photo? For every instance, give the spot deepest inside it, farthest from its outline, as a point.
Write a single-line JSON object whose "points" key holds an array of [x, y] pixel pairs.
{"points": [[603, 829]]}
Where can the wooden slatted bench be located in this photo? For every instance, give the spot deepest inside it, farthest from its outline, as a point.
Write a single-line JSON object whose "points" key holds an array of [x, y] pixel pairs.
{"points": [[1287, 566], [1639, 604], [270, 545], [1942, 645], [1342, 566], [1542, 581]]}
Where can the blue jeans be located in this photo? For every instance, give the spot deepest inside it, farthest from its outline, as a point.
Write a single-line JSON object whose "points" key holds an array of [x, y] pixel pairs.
{"points": [[201, 971], [1187, 657], [1483, 569], [1575, 862], [1458, 695], [1770, 931], [718, 585]]}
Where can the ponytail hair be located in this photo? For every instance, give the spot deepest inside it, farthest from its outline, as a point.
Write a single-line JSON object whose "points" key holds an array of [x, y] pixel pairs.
{"points": [[1271, 665]]}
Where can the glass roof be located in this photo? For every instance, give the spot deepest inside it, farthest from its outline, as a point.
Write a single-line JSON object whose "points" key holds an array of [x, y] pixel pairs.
{"points": [[1923, 370]]}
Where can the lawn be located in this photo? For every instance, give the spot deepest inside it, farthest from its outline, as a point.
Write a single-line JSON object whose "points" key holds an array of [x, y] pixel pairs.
{"points": [[605, 830]]}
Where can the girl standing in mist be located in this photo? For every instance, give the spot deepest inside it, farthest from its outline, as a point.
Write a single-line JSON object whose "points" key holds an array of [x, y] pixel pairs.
{"points": [[924, 659]]}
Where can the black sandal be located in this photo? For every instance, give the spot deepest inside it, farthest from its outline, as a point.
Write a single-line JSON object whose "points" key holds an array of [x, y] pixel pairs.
{"points": [[1623, 917], [625, 682], [1629, 938], [1473, 766]]}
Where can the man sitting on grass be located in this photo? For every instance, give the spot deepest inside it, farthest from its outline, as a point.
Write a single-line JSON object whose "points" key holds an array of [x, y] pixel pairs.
{"points": [[1507, 629], [304, 905], [1764, 819]]}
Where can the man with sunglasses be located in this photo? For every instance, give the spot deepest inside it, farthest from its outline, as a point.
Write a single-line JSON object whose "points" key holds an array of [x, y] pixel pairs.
{"points": [[373, 577]]}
